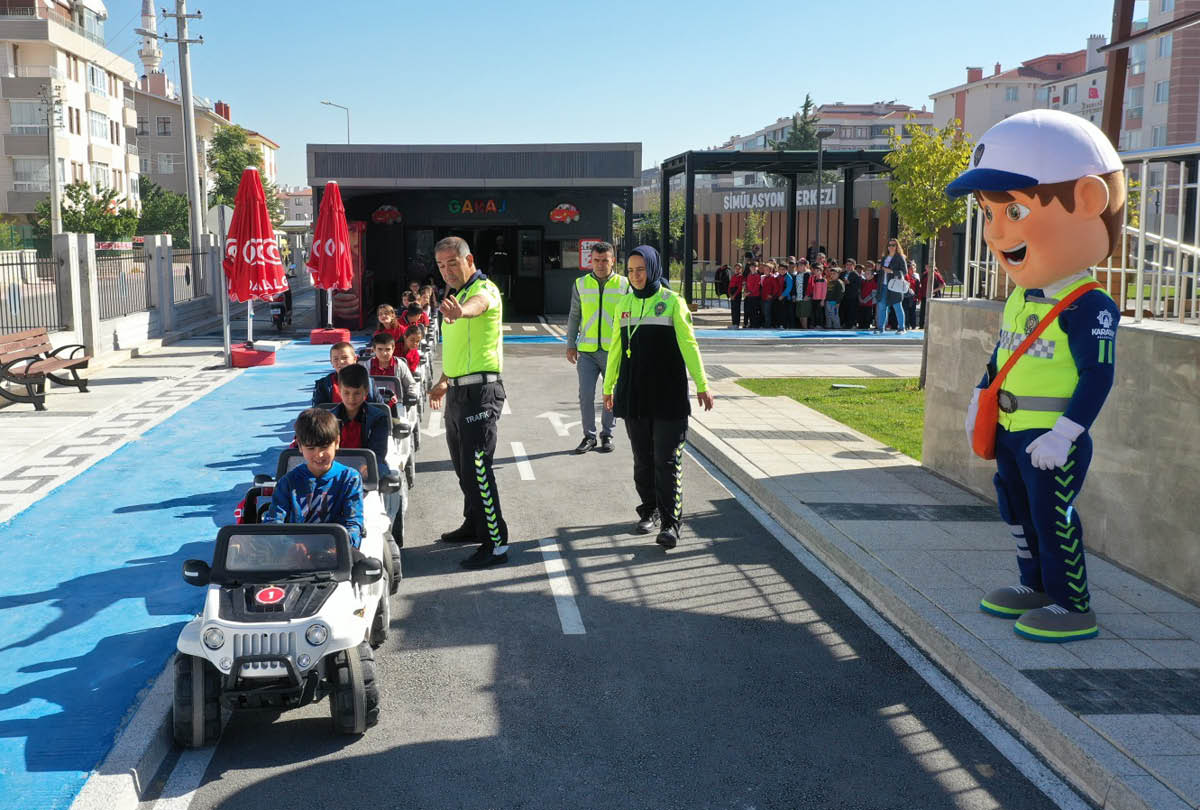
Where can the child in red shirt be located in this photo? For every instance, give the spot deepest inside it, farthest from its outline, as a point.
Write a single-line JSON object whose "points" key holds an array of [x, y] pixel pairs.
{"points": [[386, 315], [383, 364], [412, 344], [413, 315]]}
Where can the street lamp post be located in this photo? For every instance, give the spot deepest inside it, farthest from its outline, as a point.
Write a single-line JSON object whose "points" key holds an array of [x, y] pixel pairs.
{"points": [[347, 109], [822, 134]]}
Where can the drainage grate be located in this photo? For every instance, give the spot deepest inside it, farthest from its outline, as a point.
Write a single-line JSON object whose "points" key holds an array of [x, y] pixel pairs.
{"points": [[791, 435], [904, 511]]}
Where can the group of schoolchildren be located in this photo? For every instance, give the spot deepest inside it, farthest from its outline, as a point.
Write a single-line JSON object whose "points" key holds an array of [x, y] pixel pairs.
{"points": [[322, 490], [828, 294]]}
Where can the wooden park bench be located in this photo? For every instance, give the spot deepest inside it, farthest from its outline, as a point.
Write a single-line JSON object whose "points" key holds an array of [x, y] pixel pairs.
{"points": [[27, 358]]}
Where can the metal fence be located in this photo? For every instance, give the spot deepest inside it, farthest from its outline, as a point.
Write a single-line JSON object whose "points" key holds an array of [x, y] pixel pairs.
{"points": [[29, 295], [123, 279], [189, 275], [1155, 273]]}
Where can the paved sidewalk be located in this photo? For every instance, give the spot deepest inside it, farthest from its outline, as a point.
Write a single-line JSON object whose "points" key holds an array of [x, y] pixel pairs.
{"points": [[1118, 715]]}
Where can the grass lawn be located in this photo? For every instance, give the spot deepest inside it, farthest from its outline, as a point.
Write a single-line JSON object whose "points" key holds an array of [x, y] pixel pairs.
{"points": [[891, 410]]}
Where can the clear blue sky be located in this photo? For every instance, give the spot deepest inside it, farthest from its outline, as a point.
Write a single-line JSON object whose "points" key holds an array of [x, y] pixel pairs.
{"points": [[671, 74]]}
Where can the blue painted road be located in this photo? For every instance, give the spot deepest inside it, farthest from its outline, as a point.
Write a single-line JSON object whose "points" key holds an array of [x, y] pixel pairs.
{"points": [[91, 595]]}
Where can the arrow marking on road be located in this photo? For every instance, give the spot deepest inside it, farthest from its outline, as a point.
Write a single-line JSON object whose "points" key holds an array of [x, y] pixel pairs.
{"points": [[435, 424], [556, 422], [560, 586], [523, 465], [507, 409]]}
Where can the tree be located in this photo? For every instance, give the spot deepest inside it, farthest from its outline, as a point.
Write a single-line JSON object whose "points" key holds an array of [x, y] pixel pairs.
{"points": [[229, 154], [921, 170], [618, 226], [752, 234], [648, 231], [801, 137], [10, 235], [163, 212], [83, 211]]}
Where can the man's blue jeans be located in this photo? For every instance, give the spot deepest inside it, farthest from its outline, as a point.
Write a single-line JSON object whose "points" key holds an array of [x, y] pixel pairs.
{"points": [[589, 366]]}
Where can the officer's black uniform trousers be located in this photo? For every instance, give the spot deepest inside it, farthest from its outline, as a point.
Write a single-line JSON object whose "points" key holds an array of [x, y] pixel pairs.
{"points": [[472, 425]]}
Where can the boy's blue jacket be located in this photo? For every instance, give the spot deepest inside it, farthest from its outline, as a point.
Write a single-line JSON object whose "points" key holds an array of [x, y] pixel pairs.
{"points": [[335, 497], [374, 432], [323, 391]]}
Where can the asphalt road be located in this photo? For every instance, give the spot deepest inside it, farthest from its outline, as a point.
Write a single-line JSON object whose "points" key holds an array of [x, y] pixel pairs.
{"points": [[721, 674]]}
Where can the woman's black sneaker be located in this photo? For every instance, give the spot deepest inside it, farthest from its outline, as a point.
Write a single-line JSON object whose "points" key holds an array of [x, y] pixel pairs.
{"points": [[647, 524], [484, 557], [463, 534], [668, 538]]}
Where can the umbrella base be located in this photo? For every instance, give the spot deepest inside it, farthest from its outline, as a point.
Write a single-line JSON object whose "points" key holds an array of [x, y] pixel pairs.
{"points": [[246, 356], [319, 337]]}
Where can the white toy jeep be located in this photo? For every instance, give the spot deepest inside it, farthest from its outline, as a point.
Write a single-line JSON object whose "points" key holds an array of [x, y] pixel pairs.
{"points": [[291, 615]]}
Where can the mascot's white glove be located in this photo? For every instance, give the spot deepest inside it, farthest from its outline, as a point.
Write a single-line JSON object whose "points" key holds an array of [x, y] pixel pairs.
{"points": [[1050, 450], [972, 410]]}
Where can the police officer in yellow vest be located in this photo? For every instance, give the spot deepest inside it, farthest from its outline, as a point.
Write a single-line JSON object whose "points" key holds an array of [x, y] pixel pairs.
{"points": [[590, 328], [1052, 193], [472, 359]]}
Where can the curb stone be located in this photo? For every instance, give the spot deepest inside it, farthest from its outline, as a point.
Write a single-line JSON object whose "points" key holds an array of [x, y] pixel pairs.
{"points": [[1092, 764]]}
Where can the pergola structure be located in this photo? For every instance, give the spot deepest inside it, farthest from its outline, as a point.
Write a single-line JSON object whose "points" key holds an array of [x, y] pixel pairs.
{"points": [[788, 163]]}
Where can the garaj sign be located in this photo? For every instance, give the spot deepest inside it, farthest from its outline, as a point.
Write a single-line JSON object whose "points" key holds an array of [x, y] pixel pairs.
{"points": [[776, 200]]}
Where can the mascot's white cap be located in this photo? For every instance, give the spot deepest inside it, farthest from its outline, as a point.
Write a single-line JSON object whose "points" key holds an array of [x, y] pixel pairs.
{"points": [[1034, 148]]}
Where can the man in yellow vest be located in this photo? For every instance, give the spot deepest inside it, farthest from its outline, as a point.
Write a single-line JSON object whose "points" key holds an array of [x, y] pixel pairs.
{"points": [[1051, 189], [590, 328], [472, 359]]}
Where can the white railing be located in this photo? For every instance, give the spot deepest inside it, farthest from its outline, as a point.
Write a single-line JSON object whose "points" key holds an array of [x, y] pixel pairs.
{"points": [[32, 71], [1156, 271], [29, 129], [30, 185]]}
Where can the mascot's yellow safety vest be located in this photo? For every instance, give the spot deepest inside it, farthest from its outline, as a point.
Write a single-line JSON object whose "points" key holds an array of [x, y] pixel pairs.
{"points": [[1038, 389]]}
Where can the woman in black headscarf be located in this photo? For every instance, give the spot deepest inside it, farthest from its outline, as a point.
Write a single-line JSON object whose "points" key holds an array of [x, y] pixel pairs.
{"points": [[646, 385]]}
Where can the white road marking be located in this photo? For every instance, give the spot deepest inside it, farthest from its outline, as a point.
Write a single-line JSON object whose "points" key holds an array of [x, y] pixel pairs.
{"points": [[507, 327], [523, 465], [553, 329], [1046, 780], [556, 422], [529, 327], [435, 424], [507, 409], [185, 779], [563, 590]]}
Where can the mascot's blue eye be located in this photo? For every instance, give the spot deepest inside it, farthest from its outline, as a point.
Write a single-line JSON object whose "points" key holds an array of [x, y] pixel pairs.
{"points": [[1016, 212]]}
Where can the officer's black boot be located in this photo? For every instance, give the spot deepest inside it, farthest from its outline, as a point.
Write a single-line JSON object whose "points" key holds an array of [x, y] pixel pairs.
{"points": [[668, 537], [463, 534]]}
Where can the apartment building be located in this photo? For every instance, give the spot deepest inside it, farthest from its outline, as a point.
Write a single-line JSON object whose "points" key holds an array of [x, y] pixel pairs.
{"points": [[269, 150], [297, 203], [59, 45]]}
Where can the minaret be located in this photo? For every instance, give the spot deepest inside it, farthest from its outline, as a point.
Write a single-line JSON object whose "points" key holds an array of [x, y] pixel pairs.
{"points": [[150, 53]]}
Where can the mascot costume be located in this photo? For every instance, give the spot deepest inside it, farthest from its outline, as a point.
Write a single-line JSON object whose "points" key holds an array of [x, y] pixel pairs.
{"points": [[1051, 189]]}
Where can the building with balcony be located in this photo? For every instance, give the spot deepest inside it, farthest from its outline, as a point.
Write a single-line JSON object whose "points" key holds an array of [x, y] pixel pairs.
{"points": [[158, 135], [269, 149], [52, 47], [297, 203]]}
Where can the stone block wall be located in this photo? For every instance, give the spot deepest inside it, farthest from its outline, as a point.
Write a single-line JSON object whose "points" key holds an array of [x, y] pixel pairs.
{"points": [[1140, 504]]}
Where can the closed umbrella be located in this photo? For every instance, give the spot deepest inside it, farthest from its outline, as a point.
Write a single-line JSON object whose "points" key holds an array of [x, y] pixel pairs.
{"points": [[253, 268], [329, 259]]}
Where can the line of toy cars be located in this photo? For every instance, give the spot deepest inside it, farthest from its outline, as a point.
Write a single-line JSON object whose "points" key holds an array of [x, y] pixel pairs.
{"points": [[293, 612]]}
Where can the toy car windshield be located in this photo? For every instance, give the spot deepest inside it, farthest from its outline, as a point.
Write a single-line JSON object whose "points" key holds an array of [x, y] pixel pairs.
{"points": [[284, 553]]}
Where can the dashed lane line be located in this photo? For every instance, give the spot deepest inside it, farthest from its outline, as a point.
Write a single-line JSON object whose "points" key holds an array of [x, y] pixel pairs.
{"points": [[523, 465], [561, 587]]}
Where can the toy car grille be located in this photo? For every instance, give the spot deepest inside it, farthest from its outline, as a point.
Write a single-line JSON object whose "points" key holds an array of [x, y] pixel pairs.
{"points": [[282, 644]]}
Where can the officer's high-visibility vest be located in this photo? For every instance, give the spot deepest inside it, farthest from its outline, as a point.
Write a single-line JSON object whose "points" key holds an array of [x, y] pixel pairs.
{"points": [[1045, 377], [598, 307]]}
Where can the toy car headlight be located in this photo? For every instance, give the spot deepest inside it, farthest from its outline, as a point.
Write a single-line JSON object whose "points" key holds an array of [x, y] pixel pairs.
{"points": [[214, 639], [316, 634]]}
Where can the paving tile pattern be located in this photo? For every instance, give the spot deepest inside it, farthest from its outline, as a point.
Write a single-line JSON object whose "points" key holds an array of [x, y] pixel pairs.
{"points": [[1122, 691]]}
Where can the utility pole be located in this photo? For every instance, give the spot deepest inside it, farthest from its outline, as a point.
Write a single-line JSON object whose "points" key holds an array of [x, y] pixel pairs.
{"points": [[191, 160], [51, 98]]}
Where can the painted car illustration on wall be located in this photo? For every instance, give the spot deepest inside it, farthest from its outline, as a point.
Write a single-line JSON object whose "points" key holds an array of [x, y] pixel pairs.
{"points": [[564, 213], [386, 215]]}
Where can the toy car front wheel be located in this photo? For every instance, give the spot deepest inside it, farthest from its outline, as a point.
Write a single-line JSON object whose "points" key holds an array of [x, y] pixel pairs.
{"points": [[196, 712], [354, 695], [383, 612], [410, 471]]}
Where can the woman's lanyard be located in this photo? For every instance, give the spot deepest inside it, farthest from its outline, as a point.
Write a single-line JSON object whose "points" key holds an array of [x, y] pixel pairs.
{"points": [[629, 334]]}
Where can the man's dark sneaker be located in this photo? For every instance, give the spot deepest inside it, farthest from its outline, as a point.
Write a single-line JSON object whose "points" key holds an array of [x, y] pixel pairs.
{"points": [[463, 534], [647, 524], [1013, 601], [606, 445], [588, 444], [668, 538], [484, 557]]}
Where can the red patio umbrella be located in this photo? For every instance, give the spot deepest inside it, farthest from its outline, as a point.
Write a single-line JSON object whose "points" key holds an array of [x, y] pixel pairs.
{"points": [[329, 259], [252, 265]]}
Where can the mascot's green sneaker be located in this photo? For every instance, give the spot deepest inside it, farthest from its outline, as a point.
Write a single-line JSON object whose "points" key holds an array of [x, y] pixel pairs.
{"points": [[1013, 601], [1056, 624]]}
